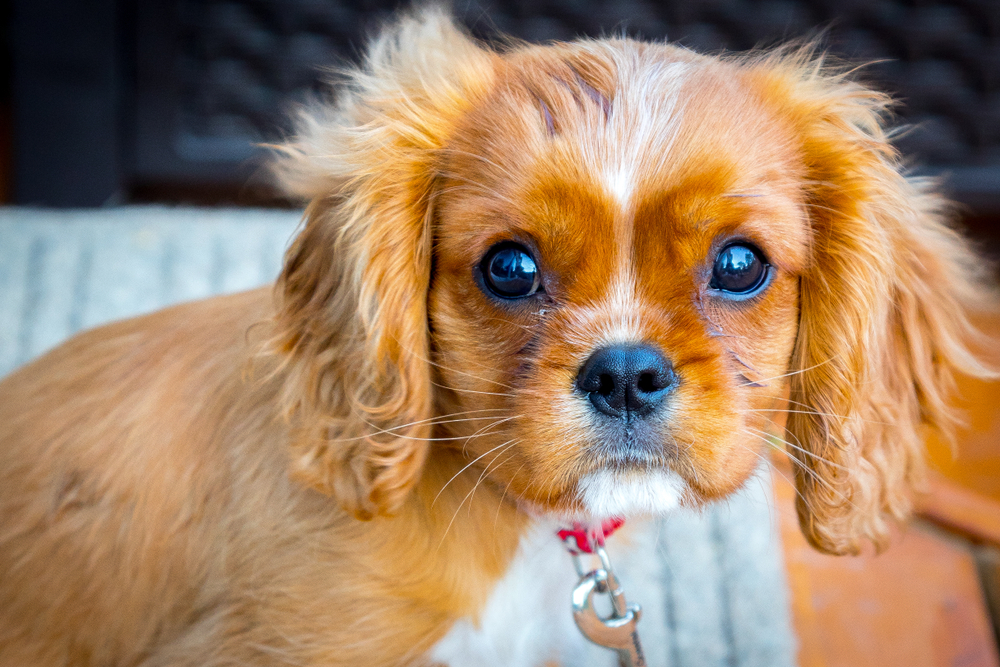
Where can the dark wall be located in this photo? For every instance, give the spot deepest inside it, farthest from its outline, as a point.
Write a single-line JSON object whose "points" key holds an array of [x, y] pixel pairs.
{"points": [[166, 99], [67, 102]]}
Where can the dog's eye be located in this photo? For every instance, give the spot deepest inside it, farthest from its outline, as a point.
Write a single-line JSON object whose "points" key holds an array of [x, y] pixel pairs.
{"points": [[510, 271], [739, 269]]}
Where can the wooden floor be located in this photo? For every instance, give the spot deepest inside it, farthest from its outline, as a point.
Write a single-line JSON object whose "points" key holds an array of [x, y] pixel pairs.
{"points": [[923, 602], [919, 604]]}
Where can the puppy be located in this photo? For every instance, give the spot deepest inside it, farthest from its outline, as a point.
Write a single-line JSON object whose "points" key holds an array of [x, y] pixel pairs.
{"points": [[539, 285]]}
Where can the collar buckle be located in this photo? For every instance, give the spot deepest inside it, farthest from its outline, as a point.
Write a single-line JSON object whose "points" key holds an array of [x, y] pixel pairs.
{"points": [[583, 538]]}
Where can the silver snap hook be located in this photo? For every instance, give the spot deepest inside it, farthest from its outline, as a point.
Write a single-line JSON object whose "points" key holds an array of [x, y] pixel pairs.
{"points": [[618, 631]]}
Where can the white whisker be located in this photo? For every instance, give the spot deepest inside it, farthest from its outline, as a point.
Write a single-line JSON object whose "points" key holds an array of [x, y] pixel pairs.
{"points": [[469, 494], [432, 421], [466, 467], [790, 373], [473, 391], [811, 412]]}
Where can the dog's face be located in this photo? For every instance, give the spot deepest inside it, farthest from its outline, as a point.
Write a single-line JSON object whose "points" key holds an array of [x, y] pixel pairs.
{"points": [[599, 270], [616, 274]]}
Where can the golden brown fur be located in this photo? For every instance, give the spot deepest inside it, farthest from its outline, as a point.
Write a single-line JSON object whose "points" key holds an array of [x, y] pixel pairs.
{"points": [[261, 479]]}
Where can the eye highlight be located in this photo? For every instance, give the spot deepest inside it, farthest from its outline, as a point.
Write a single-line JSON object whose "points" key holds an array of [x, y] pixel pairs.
{"points": [[739, 271], [510, 272]]}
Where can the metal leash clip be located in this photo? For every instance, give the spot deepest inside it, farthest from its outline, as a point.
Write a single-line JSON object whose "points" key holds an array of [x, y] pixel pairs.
{"points": [[618, 631]]}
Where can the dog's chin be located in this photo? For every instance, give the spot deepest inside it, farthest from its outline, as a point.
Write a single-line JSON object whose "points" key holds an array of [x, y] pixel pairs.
{"points": [[627, 493], [635, 479], [630, 493]]}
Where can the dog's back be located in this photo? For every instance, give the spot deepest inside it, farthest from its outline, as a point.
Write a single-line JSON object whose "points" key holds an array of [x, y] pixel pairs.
{"points": [[115, 450]]}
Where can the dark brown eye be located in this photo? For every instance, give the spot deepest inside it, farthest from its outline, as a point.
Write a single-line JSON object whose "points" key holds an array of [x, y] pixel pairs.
{"points": [[510, 272], [740, 270]]}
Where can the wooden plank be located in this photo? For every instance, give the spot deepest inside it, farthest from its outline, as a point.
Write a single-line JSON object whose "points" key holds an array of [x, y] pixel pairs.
{"points": [[918, 604], [988, 559], [957, 508], [974, 463], [965, 493]]}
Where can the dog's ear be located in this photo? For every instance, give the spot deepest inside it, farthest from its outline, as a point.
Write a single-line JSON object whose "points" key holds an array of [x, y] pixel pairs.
{"points": [[884, 305], [352, 297]]}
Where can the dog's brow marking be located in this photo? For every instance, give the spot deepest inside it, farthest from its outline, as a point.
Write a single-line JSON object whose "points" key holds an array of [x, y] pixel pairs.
{"points": [[597, 97], [571, 90], [550, 124]]}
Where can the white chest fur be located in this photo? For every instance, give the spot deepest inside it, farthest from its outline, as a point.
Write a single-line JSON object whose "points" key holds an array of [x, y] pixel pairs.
{"points": [[527, 619]]}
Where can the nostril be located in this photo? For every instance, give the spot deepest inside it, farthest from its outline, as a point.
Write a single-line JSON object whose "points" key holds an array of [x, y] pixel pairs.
{"points": [[607, 385], [647, 384]]}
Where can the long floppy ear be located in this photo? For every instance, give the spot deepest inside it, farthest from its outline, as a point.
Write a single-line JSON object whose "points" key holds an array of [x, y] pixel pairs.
{"points": [[352, 297], [883, 320]]}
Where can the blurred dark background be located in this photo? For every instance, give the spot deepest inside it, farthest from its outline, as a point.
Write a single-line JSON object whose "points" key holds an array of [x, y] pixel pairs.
{"points": [[114, 101]]}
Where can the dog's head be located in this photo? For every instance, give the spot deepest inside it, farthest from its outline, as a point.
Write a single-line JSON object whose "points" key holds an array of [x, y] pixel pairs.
{"points": [[603, 268]]}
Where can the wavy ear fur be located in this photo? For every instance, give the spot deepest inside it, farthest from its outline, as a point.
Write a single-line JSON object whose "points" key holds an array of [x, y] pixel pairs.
{"points": [[884, 302], [352, 316]]}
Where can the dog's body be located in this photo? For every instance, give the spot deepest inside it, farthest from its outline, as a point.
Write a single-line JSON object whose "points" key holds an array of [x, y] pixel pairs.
{"points": [[565, 282], [173, 525]]}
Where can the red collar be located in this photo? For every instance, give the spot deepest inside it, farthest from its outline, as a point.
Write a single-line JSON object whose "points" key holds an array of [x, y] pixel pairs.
{"points": [[588, 537]]}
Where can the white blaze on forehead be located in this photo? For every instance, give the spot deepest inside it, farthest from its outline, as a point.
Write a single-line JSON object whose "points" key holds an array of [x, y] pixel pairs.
{"points": [[620, 324], [610, 493], [619, 183], [642, 126], [636, 139], [613, 320]]}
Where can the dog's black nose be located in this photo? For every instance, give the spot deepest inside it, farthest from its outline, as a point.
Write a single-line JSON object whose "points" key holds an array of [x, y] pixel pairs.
{"points": [[626, 380]]}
